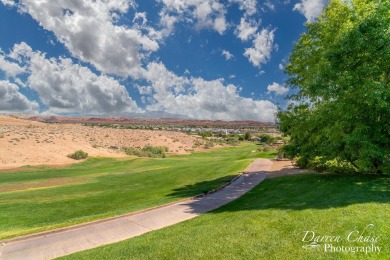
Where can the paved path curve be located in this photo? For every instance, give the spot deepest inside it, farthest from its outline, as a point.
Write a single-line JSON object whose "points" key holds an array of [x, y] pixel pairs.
{"points": [[60, 242]]}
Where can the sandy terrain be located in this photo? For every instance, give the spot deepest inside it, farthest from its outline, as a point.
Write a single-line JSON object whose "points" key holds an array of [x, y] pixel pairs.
{"points": [[24, 142]]}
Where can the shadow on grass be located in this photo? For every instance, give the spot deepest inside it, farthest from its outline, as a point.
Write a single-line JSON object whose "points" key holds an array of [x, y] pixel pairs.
{"points": [[314, 191], [201, 188], [298, 191]]}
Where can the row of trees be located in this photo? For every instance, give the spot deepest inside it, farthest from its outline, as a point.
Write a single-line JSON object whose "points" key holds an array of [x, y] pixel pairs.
{"points": [[341, 68]]}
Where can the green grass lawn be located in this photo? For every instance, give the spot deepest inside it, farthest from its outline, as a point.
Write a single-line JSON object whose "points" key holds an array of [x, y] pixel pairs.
{"points": [[44, 198], [270, 221]]}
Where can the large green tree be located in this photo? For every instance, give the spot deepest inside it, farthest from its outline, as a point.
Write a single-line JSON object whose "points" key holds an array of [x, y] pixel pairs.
{"points": [[341, 68]]}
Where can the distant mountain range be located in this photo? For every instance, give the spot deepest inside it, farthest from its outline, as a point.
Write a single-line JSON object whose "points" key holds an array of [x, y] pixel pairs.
{"points": [[156, 118], [154, 115]]}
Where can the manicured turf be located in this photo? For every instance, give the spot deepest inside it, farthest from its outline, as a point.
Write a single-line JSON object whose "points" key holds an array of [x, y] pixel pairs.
{"points": [[43, 198], [270, 221]]}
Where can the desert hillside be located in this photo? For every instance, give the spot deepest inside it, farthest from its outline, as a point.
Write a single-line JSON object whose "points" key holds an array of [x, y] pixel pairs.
{"points": [[25, 142]]}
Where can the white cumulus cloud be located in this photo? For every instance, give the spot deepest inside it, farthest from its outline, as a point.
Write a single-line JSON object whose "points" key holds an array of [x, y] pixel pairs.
{"points": [[168, 23], [11, 100], [11, 69], [311, 9], [203, 99], [260, 52], [65, 87], [207, 14], [90, 32], [246, 29], [249, 6], [8, 2], [269, 5], [277, 89], [227, 54]]}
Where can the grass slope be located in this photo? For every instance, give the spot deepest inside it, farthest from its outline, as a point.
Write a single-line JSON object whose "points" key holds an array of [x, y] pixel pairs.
{"points": [[269, 223], [45, 198]]}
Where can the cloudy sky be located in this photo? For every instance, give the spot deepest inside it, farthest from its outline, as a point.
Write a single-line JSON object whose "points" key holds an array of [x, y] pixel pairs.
{"points": [[205, 59]]}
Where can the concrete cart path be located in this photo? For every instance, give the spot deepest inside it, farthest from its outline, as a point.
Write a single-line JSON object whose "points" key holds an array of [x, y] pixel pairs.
{"points": [[60, 242]]}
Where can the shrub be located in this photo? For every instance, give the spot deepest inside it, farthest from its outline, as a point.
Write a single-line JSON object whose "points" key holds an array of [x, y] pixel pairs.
{"points": [[147, 151], [208, 145], [197, 144], [267, 139], [205, 134], [78, 155], [158, 151], [232, 141], [266, 149]]}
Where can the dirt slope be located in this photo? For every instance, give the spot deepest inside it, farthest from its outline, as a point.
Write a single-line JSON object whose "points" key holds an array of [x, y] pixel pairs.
{"points": [[24, 142]]}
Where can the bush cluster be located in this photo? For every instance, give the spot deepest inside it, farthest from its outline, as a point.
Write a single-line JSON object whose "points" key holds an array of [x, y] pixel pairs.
{"points": [[334, 166], [267, 139], [147, 151], [78, 155], [208, 145], [264, 148]]}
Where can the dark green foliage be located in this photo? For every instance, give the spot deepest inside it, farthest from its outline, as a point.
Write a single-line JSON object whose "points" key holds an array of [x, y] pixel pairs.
{"points": [[205, 134], [208, 145], [265, 148], [78, 155], [267, 139], [341, 67], [232, 141], [247, 136], [147, 151]]}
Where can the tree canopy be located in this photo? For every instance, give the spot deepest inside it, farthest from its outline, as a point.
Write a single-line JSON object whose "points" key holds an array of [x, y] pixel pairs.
{"points": [[341, 68]]}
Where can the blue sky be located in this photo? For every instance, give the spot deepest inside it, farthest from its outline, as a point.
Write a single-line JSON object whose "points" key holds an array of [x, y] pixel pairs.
{"points": [[204, 59]]}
